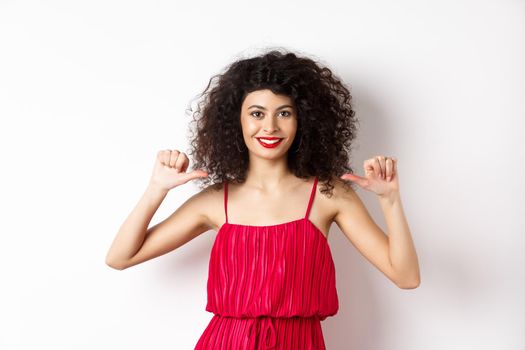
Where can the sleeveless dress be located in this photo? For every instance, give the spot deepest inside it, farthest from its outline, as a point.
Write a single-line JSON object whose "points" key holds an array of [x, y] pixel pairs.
{"points": [[269, 286]]}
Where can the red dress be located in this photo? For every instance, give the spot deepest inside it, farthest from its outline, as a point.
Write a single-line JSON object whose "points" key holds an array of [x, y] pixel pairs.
{"points": [[269, 286]]}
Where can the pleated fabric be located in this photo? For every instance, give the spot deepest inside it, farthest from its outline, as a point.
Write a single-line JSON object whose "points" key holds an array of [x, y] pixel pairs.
{"points": [[269, 287]]}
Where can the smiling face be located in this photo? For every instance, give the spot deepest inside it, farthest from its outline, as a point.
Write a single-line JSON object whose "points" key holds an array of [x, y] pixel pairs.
{"points": [[267, 115]]}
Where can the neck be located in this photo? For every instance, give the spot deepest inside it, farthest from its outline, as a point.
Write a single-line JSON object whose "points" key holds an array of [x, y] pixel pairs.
{"points": [[268, 173]]}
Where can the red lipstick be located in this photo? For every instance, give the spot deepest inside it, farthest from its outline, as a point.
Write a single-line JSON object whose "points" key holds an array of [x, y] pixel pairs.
{"points": [[273, 143]]}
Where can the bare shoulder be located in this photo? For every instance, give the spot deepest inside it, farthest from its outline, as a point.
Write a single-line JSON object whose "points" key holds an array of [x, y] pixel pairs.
{"points": [[351, 213], [325, 205], [341, 192]]}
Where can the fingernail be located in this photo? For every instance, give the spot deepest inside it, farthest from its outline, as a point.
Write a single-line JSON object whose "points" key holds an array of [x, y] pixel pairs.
{"points": [[388, 178]]}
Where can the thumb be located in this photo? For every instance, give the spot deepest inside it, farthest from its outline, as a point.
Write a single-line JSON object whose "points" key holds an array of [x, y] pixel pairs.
{"points": [[358, 179], [195, 174]]}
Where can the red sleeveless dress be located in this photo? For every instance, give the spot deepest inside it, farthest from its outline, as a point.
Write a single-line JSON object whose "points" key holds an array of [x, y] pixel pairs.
{"points": [[269, 286]]}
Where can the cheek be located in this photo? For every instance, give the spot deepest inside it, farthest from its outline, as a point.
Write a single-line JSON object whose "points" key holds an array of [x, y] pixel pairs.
{"points": [[250, 128], [292, 129]]}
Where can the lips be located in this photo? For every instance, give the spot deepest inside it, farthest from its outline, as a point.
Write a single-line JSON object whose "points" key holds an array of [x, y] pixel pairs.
{"points": [[269, 142]]}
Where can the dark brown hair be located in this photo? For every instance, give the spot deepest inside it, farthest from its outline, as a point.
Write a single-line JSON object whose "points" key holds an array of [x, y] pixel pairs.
{"points": [[326, 122]]}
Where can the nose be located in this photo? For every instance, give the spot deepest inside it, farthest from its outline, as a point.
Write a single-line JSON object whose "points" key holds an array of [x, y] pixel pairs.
{"points": [[270, 124]]}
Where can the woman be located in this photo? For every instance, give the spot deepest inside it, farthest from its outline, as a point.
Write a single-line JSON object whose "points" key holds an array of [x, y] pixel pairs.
{"points": [[272, 128]]}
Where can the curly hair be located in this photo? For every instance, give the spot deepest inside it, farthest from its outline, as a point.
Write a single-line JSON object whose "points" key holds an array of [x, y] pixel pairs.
{"points": [[326, 122]]}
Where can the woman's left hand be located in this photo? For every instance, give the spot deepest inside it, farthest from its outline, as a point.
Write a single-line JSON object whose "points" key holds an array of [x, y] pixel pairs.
{"points": [[380, 176]]}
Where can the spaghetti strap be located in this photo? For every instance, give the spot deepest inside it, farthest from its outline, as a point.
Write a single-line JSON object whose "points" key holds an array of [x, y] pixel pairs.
{"points": [[226, 200], [311, 198]]}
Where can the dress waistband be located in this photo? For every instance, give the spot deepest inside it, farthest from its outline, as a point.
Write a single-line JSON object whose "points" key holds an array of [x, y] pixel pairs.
{"points": [[262, 331], [265, 328]]}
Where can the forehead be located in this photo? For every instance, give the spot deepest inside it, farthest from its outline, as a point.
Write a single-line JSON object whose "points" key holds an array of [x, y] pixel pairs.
{"points": [[266, 98]]}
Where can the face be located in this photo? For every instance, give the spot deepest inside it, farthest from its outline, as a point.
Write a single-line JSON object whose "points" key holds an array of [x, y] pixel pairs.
{"points": [[267, 115]]}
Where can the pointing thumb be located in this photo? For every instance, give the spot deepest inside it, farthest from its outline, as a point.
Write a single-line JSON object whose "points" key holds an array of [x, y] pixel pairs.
{"points": [[195, 174], [358, 179]]}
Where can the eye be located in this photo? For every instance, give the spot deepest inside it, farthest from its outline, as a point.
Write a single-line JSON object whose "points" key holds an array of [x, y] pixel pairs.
{"points": [[287, 114]]}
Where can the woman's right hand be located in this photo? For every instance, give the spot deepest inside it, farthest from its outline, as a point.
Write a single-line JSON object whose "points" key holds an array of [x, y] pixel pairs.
{"points": [[170, 170]]}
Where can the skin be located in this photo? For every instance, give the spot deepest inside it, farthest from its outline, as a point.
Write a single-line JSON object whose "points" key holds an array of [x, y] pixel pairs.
{"points": [[278, 196]]}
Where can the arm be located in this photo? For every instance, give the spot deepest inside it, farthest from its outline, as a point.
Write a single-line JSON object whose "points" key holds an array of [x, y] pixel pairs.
{"points": [[393, 254], [134, 243], [403, 256]]}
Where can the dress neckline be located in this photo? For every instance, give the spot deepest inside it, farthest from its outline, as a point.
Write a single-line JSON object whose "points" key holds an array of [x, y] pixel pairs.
{"points": [[307, 220]]}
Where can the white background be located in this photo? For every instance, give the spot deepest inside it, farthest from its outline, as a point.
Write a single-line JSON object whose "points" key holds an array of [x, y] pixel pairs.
{"points": [[90, 91]]}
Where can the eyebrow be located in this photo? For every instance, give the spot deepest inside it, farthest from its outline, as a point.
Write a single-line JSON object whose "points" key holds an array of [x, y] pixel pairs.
{"points": [[261, 107]]}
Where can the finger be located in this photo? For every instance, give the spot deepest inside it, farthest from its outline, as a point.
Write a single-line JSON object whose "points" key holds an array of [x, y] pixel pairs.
{"points": [[389, 166], [361, 181], [179, 165], [186, 162], [369, 167], [394, 166], [174, 155], [193, 175], [351, 176], [377, 167], [382, 166], [198, 173], [166, 157], [160, 157]]}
